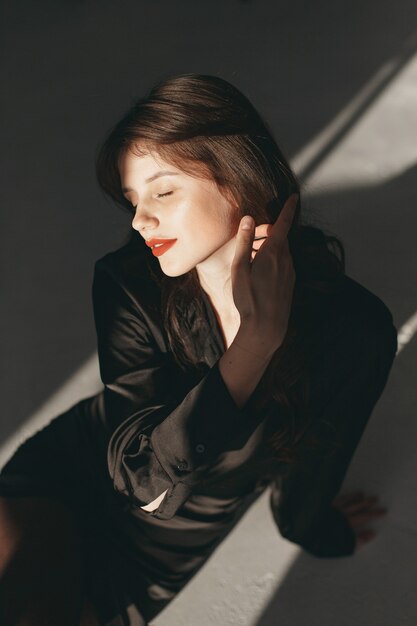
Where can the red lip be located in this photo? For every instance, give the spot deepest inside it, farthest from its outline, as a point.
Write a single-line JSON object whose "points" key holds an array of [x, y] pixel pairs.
{"points": [[151, 242], [163, 248]]}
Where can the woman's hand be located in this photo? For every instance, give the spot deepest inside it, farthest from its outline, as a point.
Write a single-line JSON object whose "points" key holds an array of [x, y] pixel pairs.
{"points": [[359, 510], [261, 233], [263, 275]]}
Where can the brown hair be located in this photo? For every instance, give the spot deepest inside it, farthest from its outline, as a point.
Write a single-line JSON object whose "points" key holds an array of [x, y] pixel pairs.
{"points": [[207, 128]]}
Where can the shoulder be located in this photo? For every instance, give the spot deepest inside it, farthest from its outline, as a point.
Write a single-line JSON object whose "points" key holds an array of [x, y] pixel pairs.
{"points": [[329, 301], [354, 301], [351, 318]]}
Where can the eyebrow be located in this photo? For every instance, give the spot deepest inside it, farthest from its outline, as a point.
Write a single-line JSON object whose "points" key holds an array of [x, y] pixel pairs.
{"points": [[151, 178]]}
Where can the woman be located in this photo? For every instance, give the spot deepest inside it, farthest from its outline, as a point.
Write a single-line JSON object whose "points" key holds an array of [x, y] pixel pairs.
{"points": [[232, 359]]}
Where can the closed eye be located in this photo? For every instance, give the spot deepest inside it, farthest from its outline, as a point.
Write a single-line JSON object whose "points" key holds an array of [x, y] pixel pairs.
{"points": [[158, 195]]}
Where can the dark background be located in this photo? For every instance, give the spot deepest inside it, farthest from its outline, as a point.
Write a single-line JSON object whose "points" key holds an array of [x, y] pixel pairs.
{"points": [[71, 69]]}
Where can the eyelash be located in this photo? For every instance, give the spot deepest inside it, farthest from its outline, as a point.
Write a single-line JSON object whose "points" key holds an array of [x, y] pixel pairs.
{"points": [[159, 195]]}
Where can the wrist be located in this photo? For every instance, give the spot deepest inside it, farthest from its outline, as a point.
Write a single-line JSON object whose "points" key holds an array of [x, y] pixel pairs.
{"points": [[251, 339]]}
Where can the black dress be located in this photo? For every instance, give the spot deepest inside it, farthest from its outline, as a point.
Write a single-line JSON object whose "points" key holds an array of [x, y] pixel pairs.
{"points": [[154, 429]]}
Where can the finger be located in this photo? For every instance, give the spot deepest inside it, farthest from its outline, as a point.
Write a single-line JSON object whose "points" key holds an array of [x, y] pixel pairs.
{"points": [[257, 243], [359, 519], [282, 225], [260, 238], [242, 259], [262, 230], [364, 537]]}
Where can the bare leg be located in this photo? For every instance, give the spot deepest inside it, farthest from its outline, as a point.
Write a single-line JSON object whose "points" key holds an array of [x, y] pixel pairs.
{"points": [[40, 566]]}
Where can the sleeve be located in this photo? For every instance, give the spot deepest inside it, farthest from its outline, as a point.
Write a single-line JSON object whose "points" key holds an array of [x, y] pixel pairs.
{"points": [[354, 378], [162, 438]]}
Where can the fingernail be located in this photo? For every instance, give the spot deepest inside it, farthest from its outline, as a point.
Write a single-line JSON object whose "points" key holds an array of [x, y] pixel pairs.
{"points": [[247, 224]]}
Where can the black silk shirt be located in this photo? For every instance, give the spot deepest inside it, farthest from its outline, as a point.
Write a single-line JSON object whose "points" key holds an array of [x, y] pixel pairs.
{"points": [[157, 429], [165, 431]]}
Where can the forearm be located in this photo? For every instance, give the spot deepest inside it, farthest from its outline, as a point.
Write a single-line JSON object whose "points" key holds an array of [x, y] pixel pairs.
{"points": [[244, 363]]}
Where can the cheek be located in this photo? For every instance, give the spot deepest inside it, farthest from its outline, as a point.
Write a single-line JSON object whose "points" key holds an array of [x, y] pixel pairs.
{"points": [[229, 219], [200, 226], [206, 221]]}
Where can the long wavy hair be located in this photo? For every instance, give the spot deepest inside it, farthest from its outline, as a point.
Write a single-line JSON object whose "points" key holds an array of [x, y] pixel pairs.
{"points": [[206, 127]]}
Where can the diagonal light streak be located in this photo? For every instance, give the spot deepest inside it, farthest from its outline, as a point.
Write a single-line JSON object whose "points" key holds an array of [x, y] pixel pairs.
{"points": [[306, 162]]}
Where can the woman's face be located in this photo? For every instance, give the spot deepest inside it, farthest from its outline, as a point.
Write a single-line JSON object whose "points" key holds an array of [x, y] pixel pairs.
{"points": [[179, 206]]}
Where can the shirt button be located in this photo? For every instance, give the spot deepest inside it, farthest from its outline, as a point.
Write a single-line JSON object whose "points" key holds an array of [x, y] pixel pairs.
{"points": [[182, 465], [200, 447]]}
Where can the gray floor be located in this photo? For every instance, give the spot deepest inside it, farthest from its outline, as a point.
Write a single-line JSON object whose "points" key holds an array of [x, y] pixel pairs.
{"points": [[339, 89]]}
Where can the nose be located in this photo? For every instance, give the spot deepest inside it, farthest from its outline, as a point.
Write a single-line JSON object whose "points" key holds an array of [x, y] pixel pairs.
{"points": [[142, 221]]}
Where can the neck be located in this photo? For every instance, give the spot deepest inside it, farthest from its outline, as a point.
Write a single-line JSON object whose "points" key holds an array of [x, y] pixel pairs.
{"points": [[225, 309]]}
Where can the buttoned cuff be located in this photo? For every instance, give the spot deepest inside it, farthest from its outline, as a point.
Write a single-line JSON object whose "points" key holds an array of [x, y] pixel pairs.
{"points": [[206, 424]]}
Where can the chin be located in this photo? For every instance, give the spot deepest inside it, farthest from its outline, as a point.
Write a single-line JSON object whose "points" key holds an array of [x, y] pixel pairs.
{"points": [[180, 266], [173, 272]]}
